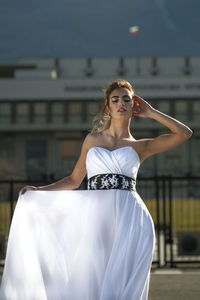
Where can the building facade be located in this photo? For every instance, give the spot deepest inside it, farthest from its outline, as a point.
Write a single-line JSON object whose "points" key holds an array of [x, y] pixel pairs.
{"points": [[47, 107]]}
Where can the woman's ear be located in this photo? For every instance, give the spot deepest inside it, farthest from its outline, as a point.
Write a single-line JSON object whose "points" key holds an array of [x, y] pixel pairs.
{"points": [[107, 109]]}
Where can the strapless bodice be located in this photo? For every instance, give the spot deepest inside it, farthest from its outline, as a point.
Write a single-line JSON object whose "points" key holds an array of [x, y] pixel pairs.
{"points": [[124, 160]]}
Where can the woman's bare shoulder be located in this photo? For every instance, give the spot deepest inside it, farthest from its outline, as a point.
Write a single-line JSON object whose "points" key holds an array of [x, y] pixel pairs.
{"points": [[92, 139], [140, 146]]}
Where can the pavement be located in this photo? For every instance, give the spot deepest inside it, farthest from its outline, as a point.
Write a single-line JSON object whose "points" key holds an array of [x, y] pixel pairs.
{"points": [[175, 284], [172, 284]]}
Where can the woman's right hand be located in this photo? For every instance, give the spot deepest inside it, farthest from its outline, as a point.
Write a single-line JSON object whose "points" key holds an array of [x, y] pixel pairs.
{"points": [[27, 188], [142, 108]]}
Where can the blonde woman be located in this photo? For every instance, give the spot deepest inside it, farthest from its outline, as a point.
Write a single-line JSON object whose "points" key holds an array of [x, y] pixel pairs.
{"points": [[96, 244]]}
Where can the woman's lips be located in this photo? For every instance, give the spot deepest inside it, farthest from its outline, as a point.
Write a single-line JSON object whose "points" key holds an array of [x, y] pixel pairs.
{"points": [[121, 110]]}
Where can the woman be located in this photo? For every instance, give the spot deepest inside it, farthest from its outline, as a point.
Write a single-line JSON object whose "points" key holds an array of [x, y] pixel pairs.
{"points": [[96, 244]]}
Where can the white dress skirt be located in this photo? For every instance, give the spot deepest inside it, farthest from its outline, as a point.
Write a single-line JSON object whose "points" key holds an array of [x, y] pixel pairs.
{"points": [[83, 244]]}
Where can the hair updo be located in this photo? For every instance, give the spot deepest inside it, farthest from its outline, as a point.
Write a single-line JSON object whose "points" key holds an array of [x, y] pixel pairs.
{"points": [[102, 120]]}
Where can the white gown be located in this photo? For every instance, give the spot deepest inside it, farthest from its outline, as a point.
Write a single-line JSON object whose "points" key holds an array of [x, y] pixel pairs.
{"points": [[83, 244]]}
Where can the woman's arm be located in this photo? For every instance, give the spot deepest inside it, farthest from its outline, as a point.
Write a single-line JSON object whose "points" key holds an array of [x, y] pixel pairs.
{"points": [[70, 182], [179, 131]]}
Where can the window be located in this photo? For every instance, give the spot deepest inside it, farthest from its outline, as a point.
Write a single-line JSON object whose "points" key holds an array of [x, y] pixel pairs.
{"points": [[5, 112], [22, 112], [75, 112], [69, 152], [57, 111], [163, 106], [196, 110], [93, 108], [40, 112], [36, 159], [69, 148], [181, 109], [75, 108]]}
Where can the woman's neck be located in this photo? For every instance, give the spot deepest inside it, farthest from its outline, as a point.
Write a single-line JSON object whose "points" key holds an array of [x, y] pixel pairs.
{"points": [[119, 130], [116, 134]]}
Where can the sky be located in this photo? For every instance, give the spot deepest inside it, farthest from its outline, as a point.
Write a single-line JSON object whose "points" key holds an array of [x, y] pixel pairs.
{"points": [[98, 28]]}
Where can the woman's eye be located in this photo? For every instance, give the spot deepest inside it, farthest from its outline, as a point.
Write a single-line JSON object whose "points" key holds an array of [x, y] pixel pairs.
{"points": [[114, 100], [127, 99]]}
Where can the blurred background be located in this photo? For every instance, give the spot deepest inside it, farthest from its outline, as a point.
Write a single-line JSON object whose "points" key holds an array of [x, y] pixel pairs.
{"points": [[55, 60]]}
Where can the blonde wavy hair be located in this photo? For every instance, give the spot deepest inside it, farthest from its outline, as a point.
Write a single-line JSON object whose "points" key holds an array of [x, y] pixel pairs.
{"points": [[102, 120]]}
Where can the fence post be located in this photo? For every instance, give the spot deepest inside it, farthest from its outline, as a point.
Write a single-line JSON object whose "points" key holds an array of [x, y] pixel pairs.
{"points": [[171, 224], [164, 216], [11, 200], [158, 216]]}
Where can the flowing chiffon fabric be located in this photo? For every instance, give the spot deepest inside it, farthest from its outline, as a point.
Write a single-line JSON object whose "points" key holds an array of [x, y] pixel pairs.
{"points": [[83, 244]]}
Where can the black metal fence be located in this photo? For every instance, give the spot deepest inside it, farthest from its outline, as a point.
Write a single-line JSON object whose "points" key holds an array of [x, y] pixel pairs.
{"points": [[174, 203]]}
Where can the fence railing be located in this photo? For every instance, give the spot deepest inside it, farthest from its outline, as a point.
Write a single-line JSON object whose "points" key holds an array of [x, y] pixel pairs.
{"points": [[174, 204]]}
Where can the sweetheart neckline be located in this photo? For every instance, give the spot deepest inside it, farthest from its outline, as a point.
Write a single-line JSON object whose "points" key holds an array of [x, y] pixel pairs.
{"points": [[115, 150]]}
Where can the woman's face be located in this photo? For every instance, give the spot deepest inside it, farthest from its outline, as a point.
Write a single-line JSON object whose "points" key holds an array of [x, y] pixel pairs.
{"points": [[120, 104]]}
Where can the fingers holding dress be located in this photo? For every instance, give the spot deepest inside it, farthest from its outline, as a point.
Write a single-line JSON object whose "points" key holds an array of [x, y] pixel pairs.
{"points": [[27, 188]]}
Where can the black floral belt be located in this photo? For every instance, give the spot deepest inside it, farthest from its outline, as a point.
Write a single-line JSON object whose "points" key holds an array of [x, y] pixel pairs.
{"points": [[111, 181]]}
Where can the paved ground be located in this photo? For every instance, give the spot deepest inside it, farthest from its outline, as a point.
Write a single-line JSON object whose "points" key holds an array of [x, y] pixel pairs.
{"points": [[173, 284]]}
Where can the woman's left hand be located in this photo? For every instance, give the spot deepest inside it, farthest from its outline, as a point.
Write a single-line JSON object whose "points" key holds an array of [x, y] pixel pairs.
{"points": [[142, 108]]}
